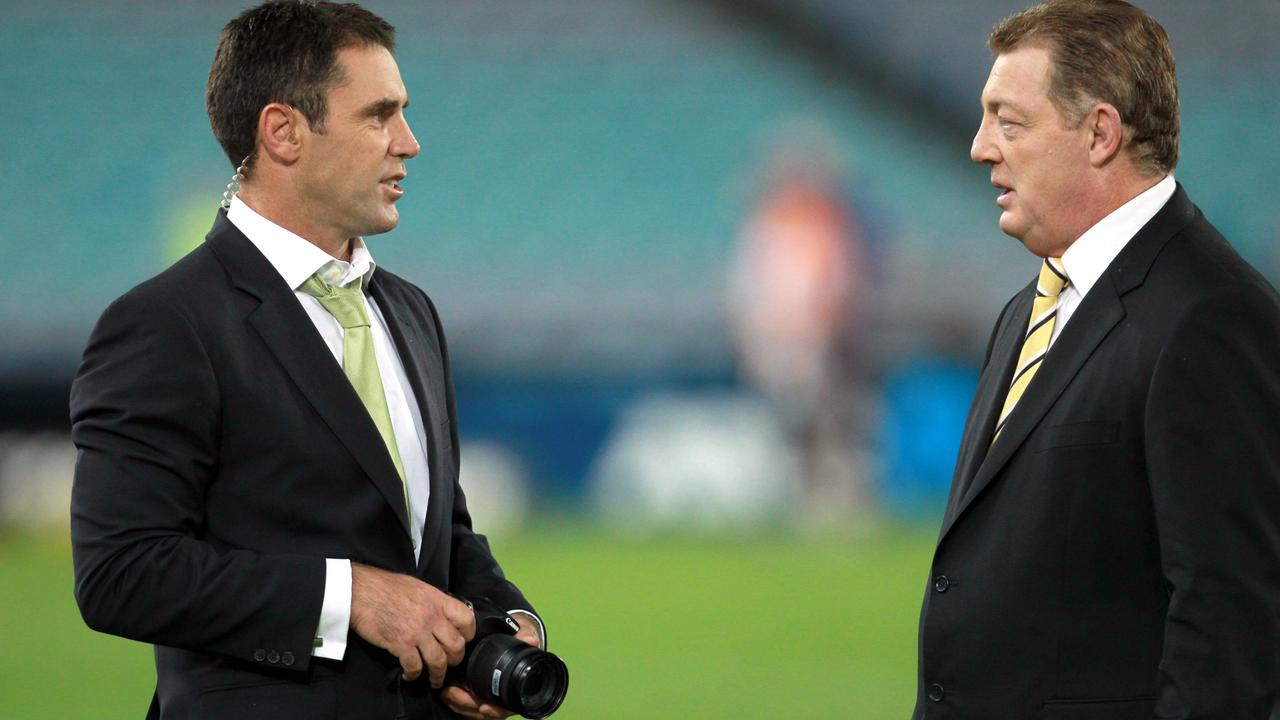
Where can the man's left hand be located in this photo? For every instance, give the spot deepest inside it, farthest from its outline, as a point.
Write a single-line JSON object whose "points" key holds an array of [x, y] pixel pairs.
{"points": [[464, 702]]}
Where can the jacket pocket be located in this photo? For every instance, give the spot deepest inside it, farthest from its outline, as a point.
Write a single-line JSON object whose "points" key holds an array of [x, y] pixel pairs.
{"points": [[285, 699], [1134, 708], [1095, 432]]}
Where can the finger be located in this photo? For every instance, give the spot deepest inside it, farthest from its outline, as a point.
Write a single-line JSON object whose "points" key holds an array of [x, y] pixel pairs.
{"points": [[461, 701], [469, 714], [490, 711], [460, 697], [530, 636], [481, 709], [486, 710], [461, 617], [411, 662], [436, 661], [450, 640]]}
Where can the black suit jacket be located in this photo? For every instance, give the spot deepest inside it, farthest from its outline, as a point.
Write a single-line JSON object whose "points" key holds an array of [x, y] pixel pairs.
{"points": [[1116, 553], [222, 456]]}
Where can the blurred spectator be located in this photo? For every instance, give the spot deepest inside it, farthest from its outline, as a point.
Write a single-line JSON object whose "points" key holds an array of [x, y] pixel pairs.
{"points": [[800, 298]]}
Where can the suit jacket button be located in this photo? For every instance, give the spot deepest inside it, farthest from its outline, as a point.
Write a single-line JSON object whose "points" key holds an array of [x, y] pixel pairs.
{"points": [[287, 659], [273, 657], [259, 655], [941, 583], [936, 693]]}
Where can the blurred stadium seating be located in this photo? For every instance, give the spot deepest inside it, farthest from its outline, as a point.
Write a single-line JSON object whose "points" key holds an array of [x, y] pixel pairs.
{"points": [[587, 168], [586, 165]]}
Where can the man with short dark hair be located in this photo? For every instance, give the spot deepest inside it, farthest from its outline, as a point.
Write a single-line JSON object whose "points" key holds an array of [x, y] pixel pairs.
{"points": [[267, 480], [1111, 547]]}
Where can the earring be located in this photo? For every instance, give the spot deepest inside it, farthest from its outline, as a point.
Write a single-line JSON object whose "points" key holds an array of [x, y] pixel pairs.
{"points": [[233, 187]]}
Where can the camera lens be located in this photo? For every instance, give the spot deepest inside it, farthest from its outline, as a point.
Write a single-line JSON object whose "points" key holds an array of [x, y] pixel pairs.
{"points": [[518, 676], [536, 686], [541, 681]]}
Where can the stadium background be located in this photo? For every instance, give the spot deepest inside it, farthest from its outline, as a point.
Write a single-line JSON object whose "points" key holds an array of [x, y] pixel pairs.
{"points": [[588, 169]]}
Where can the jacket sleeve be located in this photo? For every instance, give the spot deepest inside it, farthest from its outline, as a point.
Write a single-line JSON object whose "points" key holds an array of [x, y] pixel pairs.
{"points": [[1213, 454], [473, 571], [145, 422]]}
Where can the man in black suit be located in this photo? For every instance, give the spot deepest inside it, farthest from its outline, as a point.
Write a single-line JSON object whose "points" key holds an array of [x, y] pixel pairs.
{"points": [[267, 480], [1111, 547]]}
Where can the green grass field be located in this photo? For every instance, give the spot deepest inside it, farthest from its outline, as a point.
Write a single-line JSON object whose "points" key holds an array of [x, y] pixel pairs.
{"points": [[767, 626]]}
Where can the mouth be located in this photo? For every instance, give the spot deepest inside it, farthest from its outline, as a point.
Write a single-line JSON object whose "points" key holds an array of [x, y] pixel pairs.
{"points": [[1006, 193], [392, 183]]}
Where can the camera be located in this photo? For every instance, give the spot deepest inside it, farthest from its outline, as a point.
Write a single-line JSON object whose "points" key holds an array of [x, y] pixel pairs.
{"points": [[499, 668]]}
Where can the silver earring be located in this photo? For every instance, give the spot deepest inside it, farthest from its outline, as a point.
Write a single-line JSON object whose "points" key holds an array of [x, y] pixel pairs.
{"points": [[233, 187]]}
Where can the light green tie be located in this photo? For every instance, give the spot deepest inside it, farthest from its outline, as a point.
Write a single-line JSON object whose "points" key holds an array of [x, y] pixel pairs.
{"points": [[346, 304]]}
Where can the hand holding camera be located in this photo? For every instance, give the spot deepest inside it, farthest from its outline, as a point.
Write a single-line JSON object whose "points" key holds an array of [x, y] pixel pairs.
{"points": [[492, 665], [502, 671], [411, 620]]}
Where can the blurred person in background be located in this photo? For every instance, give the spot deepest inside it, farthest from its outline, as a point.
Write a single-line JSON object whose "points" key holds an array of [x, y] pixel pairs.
{"points": [[1111, 547], [267, 479], [799, 299]]}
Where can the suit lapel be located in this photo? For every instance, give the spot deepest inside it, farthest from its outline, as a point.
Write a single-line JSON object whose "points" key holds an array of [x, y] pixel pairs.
{"points": [[289, 334], [420, 351], [1099, 313], [1092, 322], [988, 400]]}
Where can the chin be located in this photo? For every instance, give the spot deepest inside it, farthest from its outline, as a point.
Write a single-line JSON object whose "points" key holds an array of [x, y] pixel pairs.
{"points": [[383, 223], [1043, 247], [1011, 227]]}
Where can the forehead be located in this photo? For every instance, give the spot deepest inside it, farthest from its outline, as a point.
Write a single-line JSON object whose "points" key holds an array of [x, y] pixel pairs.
{"points": [[1019, 78], [370, 74]]}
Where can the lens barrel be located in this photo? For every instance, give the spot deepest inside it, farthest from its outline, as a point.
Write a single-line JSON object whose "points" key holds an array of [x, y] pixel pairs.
{"points": [[517, 676]]}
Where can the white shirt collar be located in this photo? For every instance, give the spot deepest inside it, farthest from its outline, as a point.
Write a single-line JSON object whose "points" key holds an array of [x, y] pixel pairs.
{"points": [[295, 258], [1089, 256]]}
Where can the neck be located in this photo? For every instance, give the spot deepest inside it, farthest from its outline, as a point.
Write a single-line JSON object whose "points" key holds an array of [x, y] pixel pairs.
{"points": [[1127, 187], [284, 213], [1139, 185], [1108, 194]]}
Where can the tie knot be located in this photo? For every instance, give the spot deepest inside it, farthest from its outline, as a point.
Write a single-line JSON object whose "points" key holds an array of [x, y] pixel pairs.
{"points": [[345, 304], [1053, 278]]}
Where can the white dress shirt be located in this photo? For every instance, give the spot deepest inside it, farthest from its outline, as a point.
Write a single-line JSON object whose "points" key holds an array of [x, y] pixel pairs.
{"points": [[296, 260], [1091, 254]]}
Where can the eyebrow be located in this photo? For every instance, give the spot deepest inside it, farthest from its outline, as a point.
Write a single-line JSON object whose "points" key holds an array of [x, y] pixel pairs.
{"points": [[382, 107], [998, 102]]}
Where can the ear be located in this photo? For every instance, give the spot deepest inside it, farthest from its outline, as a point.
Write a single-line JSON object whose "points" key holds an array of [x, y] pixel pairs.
{"points": [[280, 130], [1106, 133]]}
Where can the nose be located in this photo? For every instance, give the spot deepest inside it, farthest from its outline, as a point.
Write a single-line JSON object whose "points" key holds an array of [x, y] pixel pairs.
{"points": [[403, 143], [983, 150]]}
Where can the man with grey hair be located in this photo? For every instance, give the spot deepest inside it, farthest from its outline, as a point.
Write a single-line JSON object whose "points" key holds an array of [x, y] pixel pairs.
{"points": [[1111, 547]]}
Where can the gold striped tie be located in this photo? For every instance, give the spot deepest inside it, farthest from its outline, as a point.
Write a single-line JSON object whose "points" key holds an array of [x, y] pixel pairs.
{"points": [[1044, 310]]}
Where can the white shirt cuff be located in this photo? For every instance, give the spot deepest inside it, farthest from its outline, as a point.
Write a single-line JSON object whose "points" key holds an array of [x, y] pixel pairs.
{"points": [[335, 612], [520, 615]]}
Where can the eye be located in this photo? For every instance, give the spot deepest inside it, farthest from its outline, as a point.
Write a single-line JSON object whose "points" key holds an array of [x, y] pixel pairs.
{"points": [[1006, 124], [382, 116]]}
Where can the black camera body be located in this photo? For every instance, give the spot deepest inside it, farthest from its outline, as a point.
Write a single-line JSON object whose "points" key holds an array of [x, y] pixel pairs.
{"points": [[501, 669]]}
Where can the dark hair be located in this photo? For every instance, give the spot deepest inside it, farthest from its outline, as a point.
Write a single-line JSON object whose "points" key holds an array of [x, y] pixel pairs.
{"points": [[1106, 51], [282, 51]]}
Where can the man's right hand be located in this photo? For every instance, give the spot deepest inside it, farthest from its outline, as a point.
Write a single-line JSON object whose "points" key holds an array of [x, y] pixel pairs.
{"points": [[411, 620]]}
